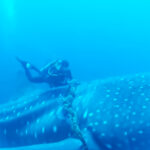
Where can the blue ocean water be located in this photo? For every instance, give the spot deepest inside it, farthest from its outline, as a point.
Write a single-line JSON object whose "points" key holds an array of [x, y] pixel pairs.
{"points": [[100, 39]]}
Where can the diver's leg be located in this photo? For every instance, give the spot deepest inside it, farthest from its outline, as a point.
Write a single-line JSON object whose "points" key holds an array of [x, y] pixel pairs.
{"points": [[28, 67], [38, 79], [24, 64]]}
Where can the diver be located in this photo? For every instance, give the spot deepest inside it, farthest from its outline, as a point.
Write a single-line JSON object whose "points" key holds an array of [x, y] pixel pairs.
{"points": [[55, 74]]}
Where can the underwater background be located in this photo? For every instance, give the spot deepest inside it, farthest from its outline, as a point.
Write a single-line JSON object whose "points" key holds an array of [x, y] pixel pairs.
{"points": [[107, 44], [99, 38]]}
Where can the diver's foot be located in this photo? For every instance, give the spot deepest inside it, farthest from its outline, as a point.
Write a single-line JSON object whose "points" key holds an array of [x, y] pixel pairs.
{"points": [[25, 64]]}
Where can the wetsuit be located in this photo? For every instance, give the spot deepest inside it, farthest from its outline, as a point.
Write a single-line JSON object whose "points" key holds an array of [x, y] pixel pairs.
{"points": [[56, 74]]}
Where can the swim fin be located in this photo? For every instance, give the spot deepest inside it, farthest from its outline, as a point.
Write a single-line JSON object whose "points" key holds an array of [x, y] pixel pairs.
{"points": [[25, 64]]}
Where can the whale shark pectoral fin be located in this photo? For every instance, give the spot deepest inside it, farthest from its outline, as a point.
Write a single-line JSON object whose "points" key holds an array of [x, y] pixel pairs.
{"points": [[68, 144]]}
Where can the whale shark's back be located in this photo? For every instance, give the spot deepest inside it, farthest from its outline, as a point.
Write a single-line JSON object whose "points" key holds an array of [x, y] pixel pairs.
{"points": [[115, 111], [118, 112]]}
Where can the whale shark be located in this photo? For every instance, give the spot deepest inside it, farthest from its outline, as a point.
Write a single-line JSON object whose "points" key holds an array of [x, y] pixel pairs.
{"points": [[113, 114]]}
